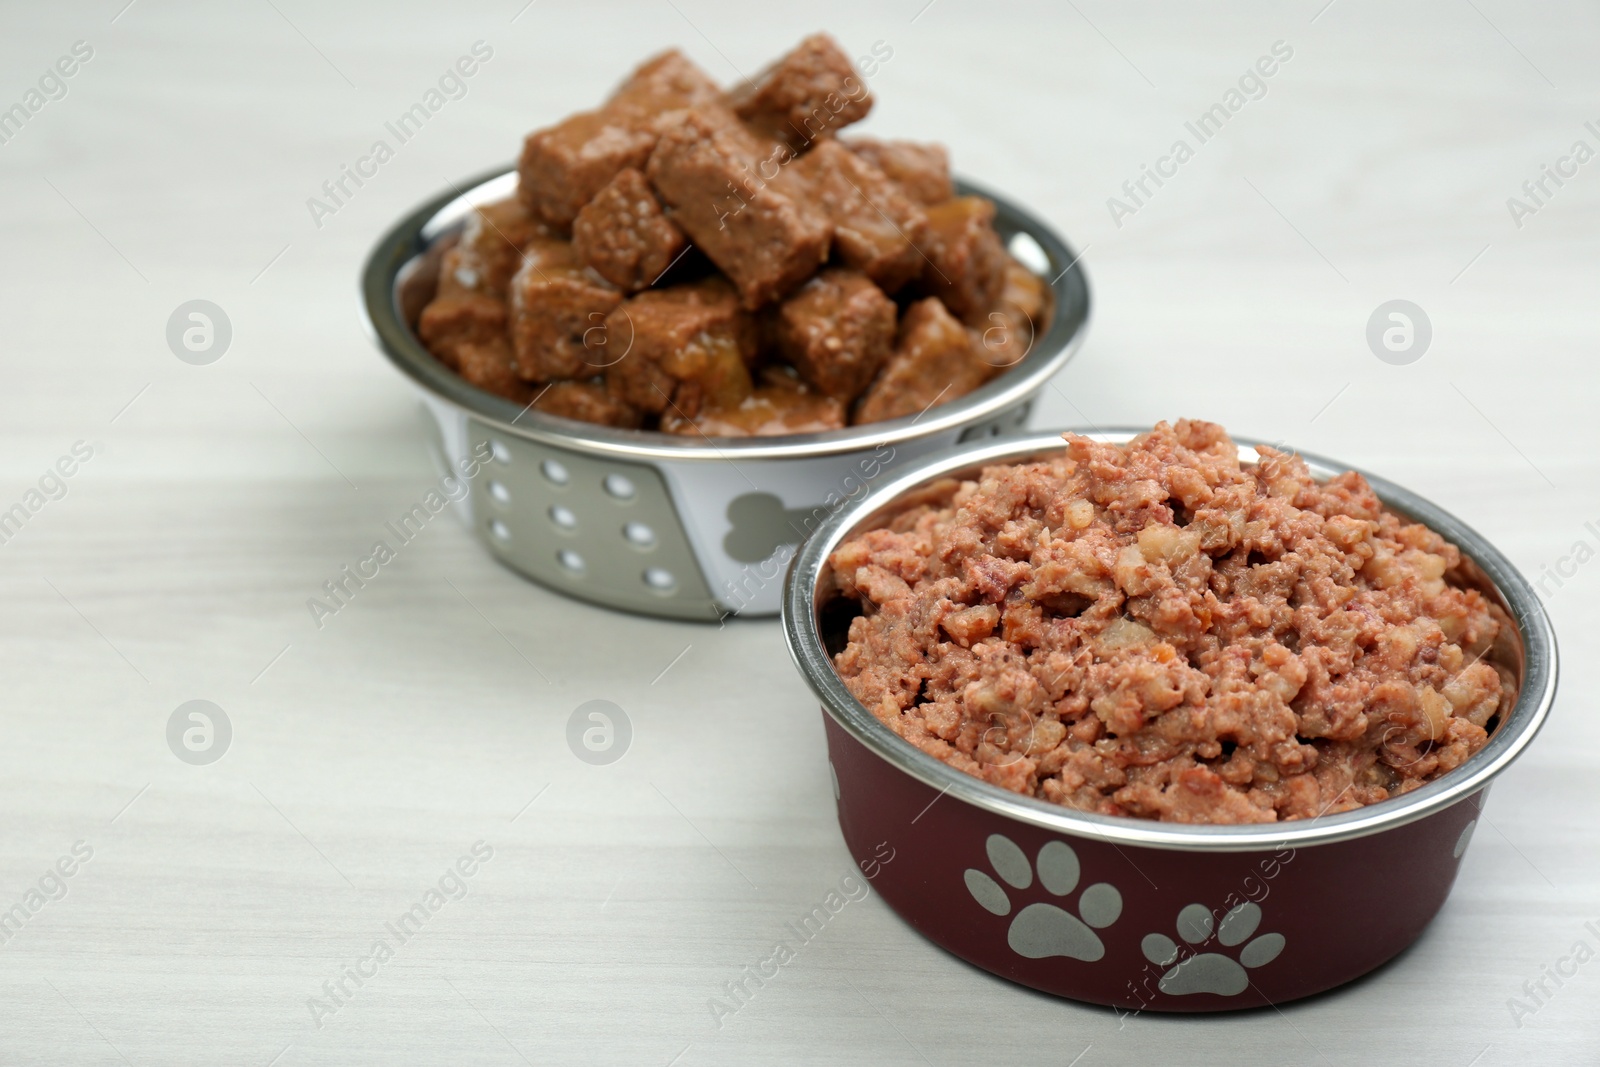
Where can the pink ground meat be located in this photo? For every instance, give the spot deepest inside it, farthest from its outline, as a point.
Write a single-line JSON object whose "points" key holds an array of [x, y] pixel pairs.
{"points": [[1154, 630]]}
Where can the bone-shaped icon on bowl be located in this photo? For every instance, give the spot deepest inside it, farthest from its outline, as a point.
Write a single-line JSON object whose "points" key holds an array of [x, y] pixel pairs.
{"points": [[761, 524]]}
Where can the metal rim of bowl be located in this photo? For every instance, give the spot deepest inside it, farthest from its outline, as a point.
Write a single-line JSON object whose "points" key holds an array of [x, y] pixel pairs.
{"points": [[410, 237], [1534, 697]]}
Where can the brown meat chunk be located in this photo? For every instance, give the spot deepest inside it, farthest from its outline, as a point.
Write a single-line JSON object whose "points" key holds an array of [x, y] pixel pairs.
{"points": [[461, 273], [837, 330], [624, 235], [681, 347], [489, 366], [663, 83], [586, 402], [764, 233], [811, 92], [459, 316], [565, 165], [1017, 321], [782, 404], [967, 262], [557, 307], [876, 227], [469, 300], [490, 250], [933, 362], [922, 170], [1157, 630]]}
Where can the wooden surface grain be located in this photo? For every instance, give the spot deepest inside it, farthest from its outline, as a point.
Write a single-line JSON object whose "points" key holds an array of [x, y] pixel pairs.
{"points": [[368, 756]]}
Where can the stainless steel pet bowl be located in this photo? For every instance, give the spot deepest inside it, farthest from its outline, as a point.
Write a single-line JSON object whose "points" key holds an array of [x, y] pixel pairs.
{"points": [[661, 524]]}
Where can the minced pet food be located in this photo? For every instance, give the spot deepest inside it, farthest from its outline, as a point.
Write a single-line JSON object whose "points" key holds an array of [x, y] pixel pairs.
{"points": [[1156, 630]]}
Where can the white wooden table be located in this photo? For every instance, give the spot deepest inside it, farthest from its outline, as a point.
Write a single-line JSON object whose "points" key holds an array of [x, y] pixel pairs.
{"points": [[367, 757]]}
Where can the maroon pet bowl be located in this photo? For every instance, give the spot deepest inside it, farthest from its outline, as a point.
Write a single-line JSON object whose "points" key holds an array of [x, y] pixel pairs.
{"points": [[1129, 912]]}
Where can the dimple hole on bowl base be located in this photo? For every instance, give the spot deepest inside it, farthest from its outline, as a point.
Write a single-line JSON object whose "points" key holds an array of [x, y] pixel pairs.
{"points": [[619, 487]]}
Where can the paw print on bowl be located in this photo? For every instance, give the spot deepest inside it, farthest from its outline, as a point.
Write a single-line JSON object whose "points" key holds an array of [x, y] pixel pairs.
{"points": [[1044, 929], [1213, 972]]}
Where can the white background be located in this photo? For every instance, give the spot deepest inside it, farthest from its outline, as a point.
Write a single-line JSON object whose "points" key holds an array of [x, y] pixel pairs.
{"points": [[370, 754]]}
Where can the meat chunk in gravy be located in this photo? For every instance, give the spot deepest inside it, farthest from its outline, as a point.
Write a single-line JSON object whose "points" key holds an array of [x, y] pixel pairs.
{"points": [[935, 359], [563, 166], [836, 331], [586, 402], [811, 93], [877, 229], [765, 233], [624, 235], [966, 264], [921, 170], [680, 349], [558, 308], [780, 404]]}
